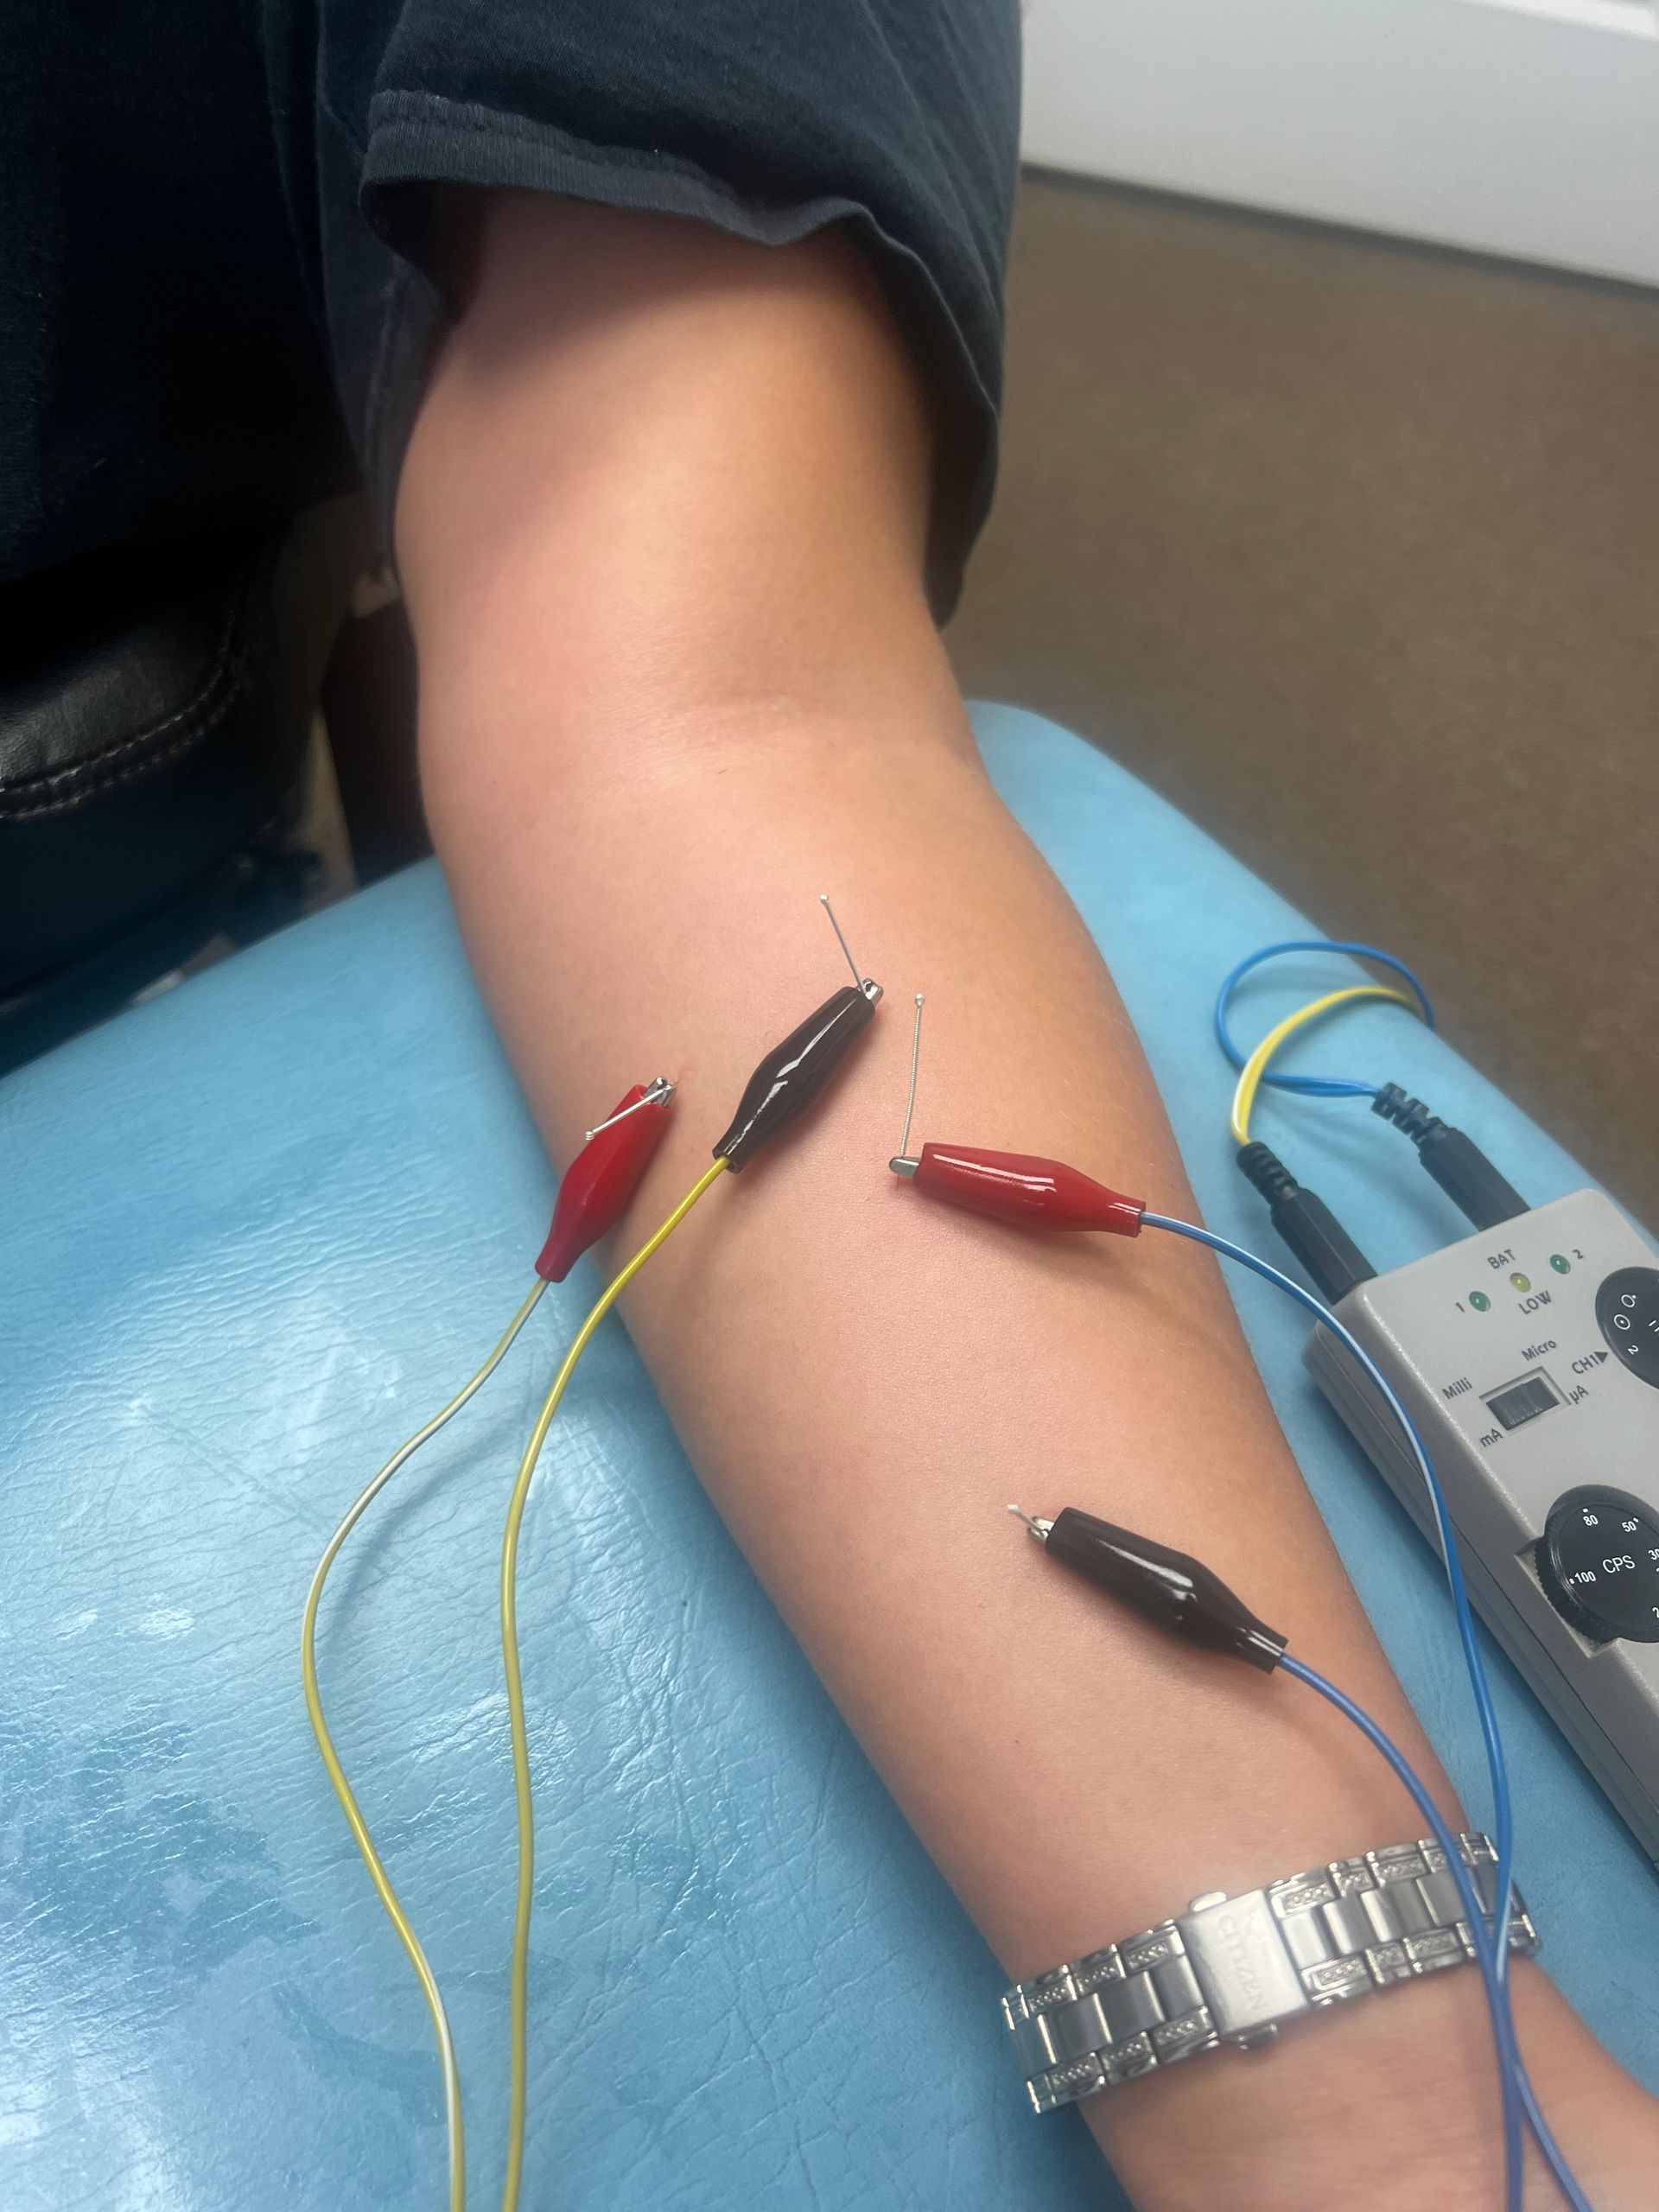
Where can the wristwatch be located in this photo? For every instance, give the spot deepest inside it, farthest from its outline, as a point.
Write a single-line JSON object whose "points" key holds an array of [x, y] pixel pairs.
{"points": [[1231, 1968]]}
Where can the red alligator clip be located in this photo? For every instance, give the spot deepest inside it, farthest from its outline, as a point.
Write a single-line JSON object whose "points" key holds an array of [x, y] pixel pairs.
{"points": [[603, 1177], [1012, 1186]]}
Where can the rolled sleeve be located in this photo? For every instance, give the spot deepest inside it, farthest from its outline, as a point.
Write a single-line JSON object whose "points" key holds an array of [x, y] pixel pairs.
{"points": [[769, 118]]}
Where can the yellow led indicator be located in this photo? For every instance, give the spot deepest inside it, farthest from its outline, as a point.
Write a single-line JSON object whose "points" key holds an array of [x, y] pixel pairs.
{"points": [[1518, 1282]]}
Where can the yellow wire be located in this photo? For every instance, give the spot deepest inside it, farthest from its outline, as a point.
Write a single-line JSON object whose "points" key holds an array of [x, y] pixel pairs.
{"points": [[336, 1772], [1251, 1075], [521, 1779]]}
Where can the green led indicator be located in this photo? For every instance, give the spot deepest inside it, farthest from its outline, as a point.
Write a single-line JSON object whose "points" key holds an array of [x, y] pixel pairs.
{"points": [[1479, 1300], [1560, 1263]]}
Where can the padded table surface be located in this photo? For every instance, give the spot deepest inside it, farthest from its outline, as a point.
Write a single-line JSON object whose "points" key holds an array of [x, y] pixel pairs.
{"points": [[254, 1232]]}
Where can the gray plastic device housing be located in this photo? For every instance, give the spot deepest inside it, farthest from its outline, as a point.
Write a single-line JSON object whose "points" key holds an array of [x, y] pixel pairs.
{"points": [[1446, 1357]]}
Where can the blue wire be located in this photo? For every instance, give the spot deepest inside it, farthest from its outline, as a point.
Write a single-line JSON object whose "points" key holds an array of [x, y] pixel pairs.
{"points": [[1512, 2066], [1312, 1086], [1496, 1766], [1496, 1994]]}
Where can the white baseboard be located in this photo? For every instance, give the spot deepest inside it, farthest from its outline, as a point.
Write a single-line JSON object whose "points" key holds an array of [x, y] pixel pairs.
{"points": [[1528, 128]]}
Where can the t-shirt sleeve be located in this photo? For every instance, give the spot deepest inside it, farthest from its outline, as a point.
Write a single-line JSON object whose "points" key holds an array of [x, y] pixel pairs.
{"points": [[768, 118]]}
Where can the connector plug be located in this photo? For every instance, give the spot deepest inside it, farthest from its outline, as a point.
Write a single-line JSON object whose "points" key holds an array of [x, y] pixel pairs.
{"points": [[1456, 1161], [1305, 1225]]}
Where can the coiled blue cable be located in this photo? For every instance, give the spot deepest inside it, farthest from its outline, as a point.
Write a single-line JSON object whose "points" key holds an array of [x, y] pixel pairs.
{"points": [[1312, 1086], [1518, 2093]]}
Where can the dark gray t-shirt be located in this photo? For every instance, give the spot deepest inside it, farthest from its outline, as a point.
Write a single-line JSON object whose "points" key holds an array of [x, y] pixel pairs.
{"points": [[215, 234]]}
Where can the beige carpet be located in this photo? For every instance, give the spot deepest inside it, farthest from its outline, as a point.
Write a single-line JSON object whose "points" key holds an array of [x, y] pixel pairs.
{"points": [[1351, 548]]}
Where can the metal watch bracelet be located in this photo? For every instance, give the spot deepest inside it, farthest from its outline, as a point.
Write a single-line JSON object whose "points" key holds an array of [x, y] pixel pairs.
{"points": [[1231, 1968]]}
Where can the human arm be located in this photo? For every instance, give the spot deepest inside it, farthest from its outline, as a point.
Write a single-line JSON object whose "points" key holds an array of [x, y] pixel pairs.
{"points": [[662, 527]]}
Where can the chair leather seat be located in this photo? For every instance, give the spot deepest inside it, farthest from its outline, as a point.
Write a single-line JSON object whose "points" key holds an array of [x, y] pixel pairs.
{"points": [[149, 725]]}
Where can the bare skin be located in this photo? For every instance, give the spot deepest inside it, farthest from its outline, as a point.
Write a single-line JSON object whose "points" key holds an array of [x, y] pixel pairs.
{"points": [[661, 531]]}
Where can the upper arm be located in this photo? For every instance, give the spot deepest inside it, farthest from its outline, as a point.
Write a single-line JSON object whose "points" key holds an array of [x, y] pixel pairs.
{"points": [[894, 121], [666, 478]]}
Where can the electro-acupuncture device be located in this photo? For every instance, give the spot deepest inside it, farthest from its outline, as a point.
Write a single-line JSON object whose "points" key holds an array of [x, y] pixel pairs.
{"points": [[1528, 1356], [1234, 1969], [1444, 1370], [1523, 1361]]}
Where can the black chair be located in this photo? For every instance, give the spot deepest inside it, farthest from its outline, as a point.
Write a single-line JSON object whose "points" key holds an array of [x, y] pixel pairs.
{"points": [[155, 708]]}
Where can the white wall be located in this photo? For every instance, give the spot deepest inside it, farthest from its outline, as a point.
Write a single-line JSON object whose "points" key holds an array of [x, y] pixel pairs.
{"points": [[1522, 127]]}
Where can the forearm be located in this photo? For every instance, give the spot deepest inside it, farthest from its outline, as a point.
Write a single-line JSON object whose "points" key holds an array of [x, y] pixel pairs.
{"points": [[677, 677]]}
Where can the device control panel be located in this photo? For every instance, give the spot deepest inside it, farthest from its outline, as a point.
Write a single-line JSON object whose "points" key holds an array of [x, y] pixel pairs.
{"points": [[1528, 1357], [1599, 1562]]}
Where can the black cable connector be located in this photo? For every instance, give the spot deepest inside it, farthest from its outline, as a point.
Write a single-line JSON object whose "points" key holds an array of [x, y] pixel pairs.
{"points": [[1456, 1161], [1305, 1225], [1170, 1589], [794, 1073]]}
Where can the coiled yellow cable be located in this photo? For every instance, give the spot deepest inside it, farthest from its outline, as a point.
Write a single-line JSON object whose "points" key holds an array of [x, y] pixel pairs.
{"points": [[1251, 1075], [521, 1778], [342, 1788]]}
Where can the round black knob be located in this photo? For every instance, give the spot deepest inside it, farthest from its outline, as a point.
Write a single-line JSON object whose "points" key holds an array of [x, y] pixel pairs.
{"points": [[1599, 1563], [1627, 1309]]}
